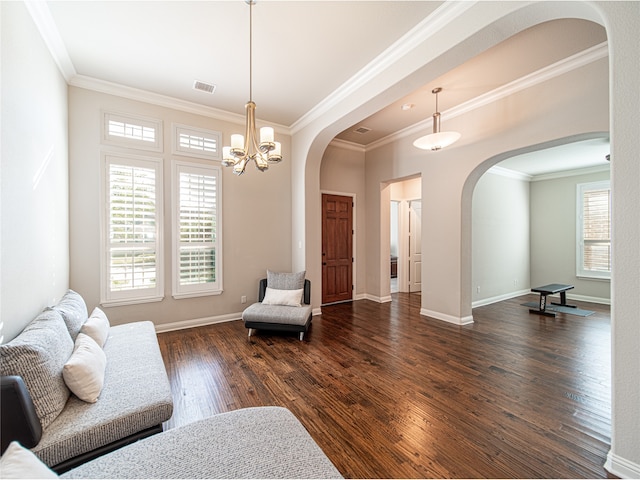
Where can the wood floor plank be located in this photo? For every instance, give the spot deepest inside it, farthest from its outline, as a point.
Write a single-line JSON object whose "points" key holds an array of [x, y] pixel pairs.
{"points": [[389, 393]]}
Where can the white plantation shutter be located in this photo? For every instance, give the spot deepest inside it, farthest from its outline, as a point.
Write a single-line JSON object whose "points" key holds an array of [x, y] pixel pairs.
{"points": [[594, 229], [133, 247], [196, 218]]}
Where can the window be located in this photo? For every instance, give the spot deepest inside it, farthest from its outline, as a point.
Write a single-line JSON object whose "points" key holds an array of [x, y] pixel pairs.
{"points": [[594, 230], [196, 218], [196, 142], [132, 243], [132, 131]]}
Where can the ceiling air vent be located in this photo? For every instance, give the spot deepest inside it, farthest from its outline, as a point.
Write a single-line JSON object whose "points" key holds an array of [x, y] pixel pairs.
{"points": [[204, 87], [362, 130]]}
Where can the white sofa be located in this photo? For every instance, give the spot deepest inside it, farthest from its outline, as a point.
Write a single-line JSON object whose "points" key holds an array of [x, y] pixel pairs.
{"points": [[40, 411]]}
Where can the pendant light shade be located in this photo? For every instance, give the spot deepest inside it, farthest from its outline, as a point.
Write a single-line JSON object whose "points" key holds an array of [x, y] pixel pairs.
{"points": [[436, 140]]}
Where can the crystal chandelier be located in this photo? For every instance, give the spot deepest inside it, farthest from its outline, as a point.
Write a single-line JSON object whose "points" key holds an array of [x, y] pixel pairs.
{"points": [[247, 148], [436, 140]]}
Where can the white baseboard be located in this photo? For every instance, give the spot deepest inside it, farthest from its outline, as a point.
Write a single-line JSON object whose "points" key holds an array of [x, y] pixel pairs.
{"points": [[446, 317], [507, 296], [197, 322], [373, 298], [584, 298], [621, 467], [499, 298]]}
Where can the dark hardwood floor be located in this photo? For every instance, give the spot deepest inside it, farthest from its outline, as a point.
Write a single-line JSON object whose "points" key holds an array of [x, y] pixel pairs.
{"points": [[387, 393]]}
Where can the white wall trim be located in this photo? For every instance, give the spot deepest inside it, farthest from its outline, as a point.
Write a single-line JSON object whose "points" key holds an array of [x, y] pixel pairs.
{"points": [[585, 298], [508, 173], [549, 72], [424, 30], [45, 24], [621, 467], [373, 298], [571, 173], [197, 322], [446, 317], [499, 298]]}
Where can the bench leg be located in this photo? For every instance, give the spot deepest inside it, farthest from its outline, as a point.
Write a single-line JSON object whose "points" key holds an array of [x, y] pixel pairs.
{"points": [[563, 301], [251, 331], [542, 309], [301, 336]]}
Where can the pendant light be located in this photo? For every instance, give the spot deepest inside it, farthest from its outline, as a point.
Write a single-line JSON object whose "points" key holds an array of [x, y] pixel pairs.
{"points": [[436, 140]]}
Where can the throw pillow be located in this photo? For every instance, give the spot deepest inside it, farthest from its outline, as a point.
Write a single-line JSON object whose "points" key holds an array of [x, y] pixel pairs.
{"points": [[290, 298], [285, 281], [97, 327], [38, 355], [74, 311], [84, 371], [18, 462]]}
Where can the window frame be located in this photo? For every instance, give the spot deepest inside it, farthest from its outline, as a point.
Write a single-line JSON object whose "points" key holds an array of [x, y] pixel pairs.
{"points": [[149, 122], [176, 149], [201, 289], [109, 297], [581, 189]]}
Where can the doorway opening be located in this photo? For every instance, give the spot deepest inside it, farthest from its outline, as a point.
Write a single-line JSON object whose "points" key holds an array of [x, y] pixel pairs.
{"points": [[405, 232]]}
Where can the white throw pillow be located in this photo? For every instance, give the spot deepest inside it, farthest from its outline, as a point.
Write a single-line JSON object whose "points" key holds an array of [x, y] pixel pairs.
{"points": [[97, 326], [290, 298], [84, 371], [18, 462]]}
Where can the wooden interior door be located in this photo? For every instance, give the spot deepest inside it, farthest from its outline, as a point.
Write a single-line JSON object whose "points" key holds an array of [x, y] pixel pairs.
{"points": [[337, 248], [415, 246]]}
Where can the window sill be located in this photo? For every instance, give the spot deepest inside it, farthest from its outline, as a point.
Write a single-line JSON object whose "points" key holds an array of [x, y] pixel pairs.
{"points": [[180, 296], [598, 279], [130, 301]]}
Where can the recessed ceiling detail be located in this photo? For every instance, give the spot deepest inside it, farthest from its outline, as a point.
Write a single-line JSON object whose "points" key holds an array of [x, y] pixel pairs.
{"points": [[204, 87]]}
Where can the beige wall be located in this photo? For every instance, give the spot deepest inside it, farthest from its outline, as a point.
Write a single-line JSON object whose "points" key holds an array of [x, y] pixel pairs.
{"points": [[553, 237], [342, 173], [500, 238], [34, 262], [256, 213]]}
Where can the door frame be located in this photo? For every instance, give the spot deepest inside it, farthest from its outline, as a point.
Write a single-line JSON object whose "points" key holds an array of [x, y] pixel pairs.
{"points": [[354, 244]]}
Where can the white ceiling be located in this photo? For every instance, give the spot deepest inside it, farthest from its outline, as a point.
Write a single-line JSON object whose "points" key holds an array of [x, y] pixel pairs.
{"points": [[302, 52]]}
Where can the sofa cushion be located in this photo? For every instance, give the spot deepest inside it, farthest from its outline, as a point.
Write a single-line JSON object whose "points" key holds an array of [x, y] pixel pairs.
{"points": [[136, 396], [74, 311], [258, 442], [38, 355], [276, 314], [84, 371], [97, 326], [18, 462], [290, 298], [285, 281]]}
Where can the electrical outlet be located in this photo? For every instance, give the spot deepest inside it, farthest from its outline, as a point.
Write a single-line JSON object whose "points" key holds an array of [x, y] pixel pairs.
{"points": [[478, 289], [243, 299]]}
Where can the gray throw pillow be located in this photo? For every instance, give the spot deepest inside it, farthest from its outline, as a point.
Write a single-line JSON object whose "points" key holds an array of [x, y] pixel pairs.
{"points": [[74, 312], [285, 281], [38, 355]]}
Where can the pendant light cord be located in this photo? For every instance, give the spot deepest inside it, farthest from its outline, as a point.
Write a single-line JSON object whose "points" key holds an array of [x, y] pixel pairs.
{"points": [[251, 2]]}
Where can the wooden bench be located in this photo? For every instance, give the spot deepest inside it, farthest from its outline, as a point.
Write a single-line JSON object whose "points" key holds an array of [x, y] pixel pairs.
{"points": [[551, 289]]}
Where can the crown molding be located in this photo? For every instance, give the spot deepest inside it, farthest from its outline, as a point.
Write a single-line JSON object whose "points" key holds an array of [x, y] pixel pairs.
{"points": [[544, 74], [131, 93], [336, 142], [508, 173], [41, 16], [570, 173], [424, 30]]}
